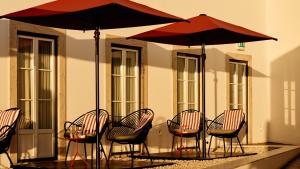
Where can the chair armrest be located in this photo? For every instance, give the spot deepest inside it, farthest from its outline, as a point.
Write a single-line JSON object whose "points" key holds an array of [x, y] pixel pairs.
{"points": [[4, 130], [214, 125], [172, 126], [65, 125], [172, 123]]}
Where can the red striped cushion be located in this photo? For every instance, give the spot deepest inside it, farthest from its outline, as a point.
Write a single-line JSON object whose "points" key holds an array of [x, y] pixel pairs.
{"points": [[145, 118], [89, 123], [190, 120], [233, 119], [8, 117]]}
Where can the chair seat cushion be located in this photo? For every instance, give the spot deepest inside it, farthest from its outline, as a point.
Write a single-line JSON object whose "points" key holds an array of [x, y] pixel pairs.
{"points": [[220, 132], [124, 137], [185, 131]]}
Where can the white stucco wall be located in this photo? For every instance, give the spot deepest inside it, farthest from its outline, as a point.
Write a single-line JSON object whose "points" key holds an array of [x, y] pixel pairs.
{"points": [[4, 63], [284, 59], [4, 72]]}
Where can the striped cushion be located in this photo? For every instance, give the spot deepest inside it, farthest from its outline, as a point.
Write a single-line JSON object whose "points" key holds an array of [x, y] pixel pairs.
{"points": [[145, 118], [233, 119], [8, 117], [89, 123], [190, 120]]}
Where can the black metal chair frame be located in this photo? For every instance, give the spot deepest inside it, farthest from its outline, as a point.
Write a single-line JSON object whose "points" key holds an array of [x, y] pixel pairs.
{"points": [[89, 140], [126, 127], [174, 125], [217, 123], [7, 135]]}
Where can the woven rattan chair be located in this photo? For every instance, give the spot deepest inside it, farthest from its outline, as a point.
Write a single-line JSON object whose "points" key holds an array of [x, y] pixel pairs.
{"points": [[8, 124], [88, 123], [132, 129], [187, 123], [227, 125]]}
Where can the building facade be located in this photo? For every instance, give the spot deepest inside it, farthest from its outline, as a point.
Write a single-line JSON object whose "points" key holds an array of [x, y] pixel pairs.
{"points": [[49, 73]]}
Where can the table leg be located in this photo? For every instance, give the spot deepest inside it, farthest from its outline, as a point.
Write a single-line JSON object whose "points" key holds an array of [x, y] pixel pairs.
{"points": [[78, 154]]}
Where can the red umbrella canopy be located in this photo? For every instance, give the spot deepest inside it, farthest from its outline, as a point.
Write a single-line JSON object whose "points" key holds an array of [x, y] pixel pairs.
{"points": [[89, 14], [201, 30]]}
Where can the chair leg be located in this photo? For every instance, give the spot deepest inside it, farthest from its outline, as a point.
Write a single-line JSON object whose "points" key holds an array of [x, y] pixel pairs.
{"points": [[173, 142], [110, 150], [131, 151], [240, 144], [209, 144], [230, 146], [11, 163], [148, 152], [85, 150], [102, 149], [199, 144], [224, 147], [196, 144], [92, 152], [67, 150]]}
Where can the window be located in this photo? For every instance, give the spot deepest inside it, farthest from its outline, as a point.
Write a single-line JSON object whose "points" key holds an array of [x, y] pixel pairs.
{"points": [[238, 94], [36, 96], [187, 82], [125, 85]]}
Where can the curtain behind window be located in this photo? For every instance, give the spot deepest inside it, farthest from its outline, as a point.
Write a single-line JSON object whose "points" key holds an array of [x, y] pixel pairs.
{"points": [[44, 85], [25, 69]]}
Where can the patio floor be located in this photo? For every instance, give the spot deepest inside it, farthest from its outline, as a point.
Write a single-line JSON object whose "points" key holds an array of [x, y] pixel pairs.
{"points": [[114, 164], [126, 162], [191, 155]]}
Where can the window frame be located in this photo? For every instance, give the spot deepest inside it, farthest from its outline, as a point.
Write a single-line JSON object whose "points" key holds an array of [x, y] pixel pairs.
{"points": [[185, 80], [241, 58], [123, 77], [193, 53], [118, 41]]}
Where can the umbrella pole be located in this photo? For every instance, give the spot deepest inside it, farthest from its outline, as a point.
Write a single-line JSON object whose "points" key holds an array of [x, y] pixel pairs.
{"points": [[203, 57], [97, 37]]}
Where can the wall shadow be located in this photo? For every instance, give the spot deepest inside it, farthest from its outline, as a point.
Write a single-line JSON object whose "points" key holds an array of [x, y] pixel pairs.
{"points": [[285, 98]]}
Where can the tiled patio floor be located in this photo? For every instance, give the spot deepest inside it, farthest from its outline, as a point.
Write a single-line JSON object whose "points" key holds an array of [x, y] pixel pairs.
{"points": [[191, 155], [114, 164]]}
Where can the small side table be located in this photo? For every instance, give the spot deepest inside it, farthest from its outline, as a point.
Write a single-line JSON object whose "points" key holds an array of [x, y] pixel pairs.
{"points": [[76, 140]]}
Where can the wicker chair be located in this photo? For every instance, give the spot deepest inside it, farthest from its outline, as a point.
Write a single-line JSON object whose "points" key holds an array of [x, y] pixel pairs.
{"points": [[227, 125], [88, 123], [8, 124], [132, 129], [187, 123]]}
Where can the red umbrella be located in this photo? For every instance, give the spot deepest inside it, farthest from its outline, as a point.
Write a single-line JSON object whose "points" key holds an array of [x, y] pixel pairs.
{"points": [[92, 15], [201, 30]]}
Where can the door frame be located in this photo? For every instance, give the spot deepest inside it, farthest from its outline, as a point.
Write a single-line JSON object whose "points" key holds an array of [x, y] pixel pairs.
{"points": [[248, 59], [34, 83], [16, 28]]}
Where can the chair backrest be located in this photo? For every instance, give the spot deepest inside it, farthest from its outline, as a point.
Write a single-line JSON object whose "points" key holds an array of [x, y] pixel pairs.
{"points": [[89, 122], [190, 119], [145, 118], [233, 119], [8, 118]]}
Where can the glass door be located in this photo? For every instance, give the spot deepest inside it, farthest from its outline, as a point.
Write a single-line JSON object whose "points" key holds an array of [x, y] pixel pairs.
{"points": [[36, 97]]}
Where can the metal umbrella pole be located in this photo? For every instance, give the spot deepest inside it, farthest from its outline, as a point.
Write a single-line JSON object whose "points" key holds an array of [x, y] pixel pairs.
{"points": [[97, 37], [203, 57]]}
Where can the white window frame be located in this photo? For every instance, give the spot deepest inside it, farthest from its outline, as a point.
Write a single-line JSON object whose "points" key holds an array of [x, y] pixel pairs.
{"points": [[186, 81], [235, 83], [34, 93], [123, 77]]}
